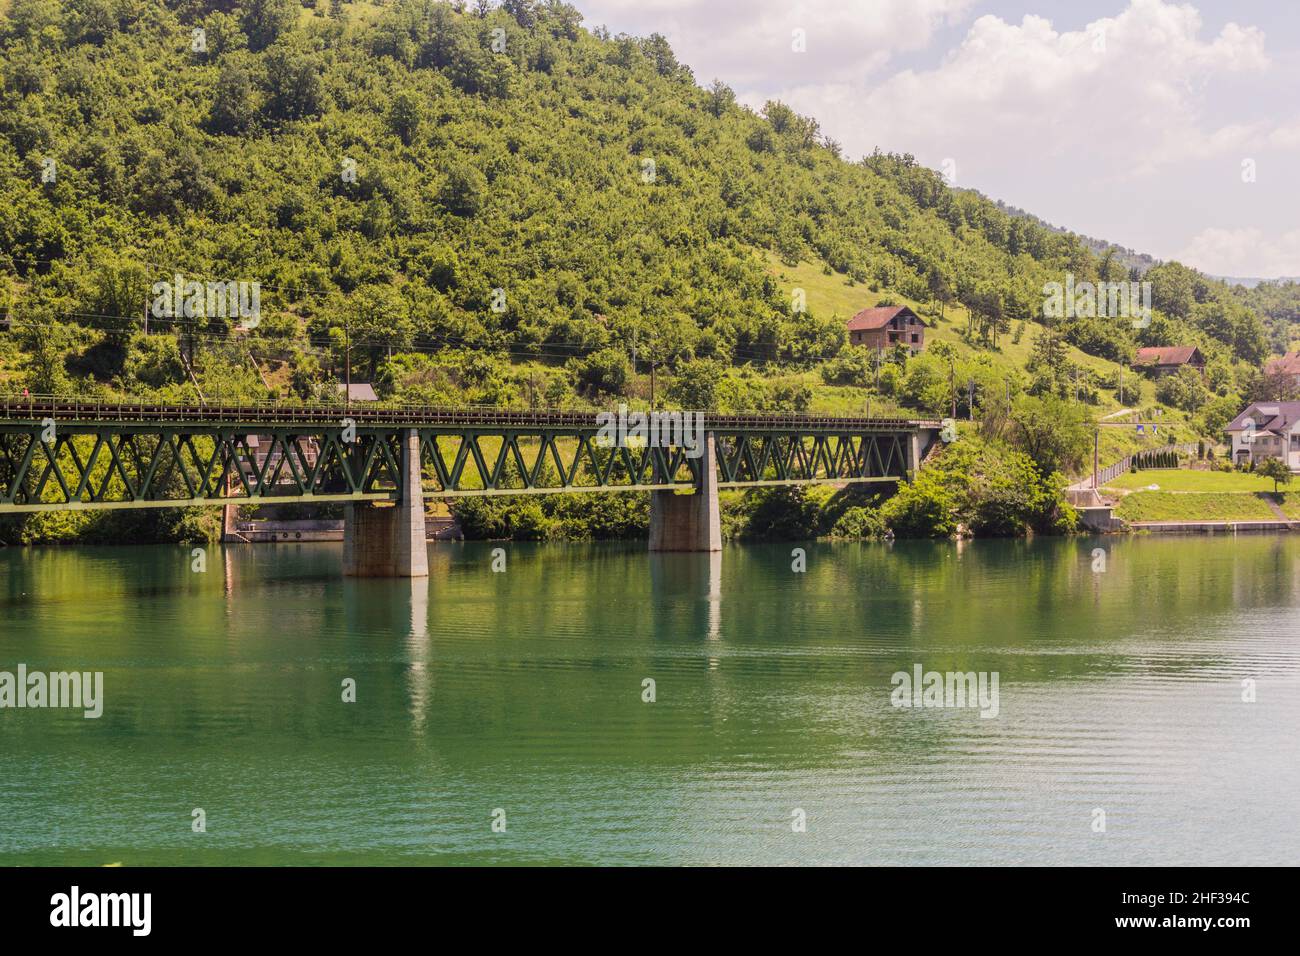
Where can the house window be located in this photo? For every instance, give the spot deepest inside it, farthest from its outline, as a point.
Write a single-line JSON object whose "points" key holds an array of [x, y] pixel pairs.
{"points": [[1295, 442], [916, 338]]}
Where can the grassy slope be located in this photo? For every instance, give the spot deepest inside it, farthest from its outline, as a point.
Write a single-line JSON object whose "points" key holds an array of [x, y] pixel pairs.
{"points": [[1186, 480], [1186, 495], [1194, 506], [839, 296]]}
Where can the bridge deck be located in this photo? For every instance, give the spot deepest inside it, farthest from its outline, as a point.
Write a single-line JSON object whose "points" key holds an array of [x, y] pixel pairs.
{"points": [[36, 408]]}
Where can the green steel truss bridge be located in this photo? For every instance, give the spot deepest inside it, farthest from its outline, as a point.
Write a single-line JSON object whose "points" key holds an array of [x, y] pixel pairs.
{"points": [[58, 454]]}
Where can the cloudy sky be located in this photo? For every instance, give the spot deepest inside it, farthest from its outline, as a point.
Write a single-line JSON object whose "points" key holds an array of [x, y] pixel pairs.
{"points": [[1171, 128]]}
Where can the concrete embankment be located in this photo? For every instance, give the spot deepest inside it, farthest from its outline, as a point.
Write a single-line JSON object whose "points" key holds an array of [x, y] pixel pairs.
{"points": [[1212, 527]]}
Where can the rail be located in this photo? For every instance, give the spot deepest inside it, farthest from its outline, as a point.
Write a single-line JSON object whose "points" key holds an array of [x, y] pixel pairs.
{"points": [[38, 407], [1125, 464]]}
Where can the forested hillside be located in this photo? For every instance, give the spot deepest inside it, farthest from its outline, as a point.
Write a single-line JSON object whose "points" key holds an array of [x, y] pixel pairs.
{"points": [[491, 204]]}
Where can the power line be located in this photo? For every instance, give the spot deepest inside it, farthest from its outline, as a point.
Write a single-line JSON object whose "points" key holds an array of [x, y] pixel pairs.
{"points": [[757, 355], [555, 349]]}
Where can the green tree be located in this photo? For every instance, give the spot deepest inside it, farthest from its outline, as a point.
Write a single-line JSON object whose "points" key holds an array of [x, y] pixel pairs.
{"points": [[1276, 469], [603, 371], [695, 385], [1184, 389], [45, 344], [264, 21], [233, 110], [923, 508], [405, 116], [463, 190], [1055, 433]]}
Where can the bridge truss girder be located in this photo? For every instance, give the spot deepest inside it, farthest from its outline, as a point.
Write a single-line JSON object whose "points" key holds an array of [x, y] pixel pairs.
{"points": [[96, 465]]}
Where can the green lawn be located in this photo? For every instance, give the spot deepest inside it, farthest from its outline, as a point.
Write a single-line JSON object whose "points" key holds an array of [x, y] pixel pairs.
{"points": [[1182, 479], [1194, 506]]}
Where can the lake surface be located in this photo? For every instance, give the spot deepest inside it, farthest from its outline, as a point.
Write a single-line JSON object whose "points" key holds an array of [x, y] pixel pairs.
{"points": [[522, 693]]}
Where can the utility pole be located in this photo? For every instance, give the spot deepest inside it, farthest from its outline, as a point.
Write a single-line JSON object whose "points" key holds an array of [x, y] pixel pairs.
{"points": [[347, 361], [1096, 440], [952, 386], [970, 398], [654, 342]]}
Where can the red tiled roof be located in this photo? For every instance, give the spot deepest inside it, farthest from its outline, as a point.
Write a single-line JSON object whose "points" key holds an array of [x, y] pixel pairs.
{"points": [[878, 318], [1166, 355]]}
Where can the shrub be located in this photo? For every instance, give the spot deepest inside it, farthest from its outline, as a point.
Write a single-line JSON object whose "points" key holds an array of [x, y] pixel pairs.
{"points": [[603, 371], [859, 522], [926, 508]]}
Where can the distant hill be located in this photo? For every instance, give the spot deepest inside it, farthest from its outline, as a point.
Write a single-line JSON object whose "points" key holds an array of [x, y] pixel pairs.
{"points": [[1250, 283], [1128, 258]]}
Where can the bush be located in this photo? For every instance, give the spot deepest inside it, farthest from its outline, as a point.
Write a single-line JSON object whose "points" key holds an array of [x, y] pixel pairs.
{"points": [[853, 366], [506, 517], [603, 371], [598, 516], [993, 489], [859, 522], [926, 508], [783, 513], [695, 386]]}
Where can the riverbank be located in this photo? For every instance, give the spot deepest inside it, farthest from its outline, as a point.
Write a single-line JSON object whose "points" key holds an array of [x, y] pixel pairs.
{"points": [[1213, 527], [1187, 500]]}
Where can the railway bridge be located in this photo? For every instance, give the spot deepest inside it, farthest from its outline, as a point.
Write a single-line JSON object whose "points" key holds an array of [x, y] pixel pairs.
{"points": [[382, 461]]}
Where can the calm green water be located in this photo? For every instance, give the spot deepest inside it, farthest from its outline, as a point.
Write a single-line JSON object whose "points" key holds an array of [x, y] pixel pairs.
{"points": [[523, 691]]}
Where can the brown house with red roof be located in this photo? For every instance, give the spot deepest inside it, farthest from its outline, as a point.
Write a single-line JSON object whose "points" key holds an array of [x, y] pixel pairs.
{"points": [[1168, 359], [886, 326]]}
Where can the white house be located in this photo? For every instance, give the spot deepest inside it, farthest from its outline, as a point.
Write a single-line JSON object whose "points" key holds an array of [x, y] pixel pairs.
{"points": [[1267, 430]]}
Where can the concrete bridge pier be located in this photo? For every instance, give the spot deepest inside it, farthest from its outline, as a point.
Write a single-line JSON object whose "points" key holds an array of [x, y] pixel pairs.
{"points": [[389, 542], [689, 522], [919, 443]]}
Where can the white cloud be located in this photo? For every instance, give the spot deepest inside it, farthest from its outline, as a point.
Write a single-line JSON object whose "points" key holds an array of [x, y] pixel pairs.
{"points": [[1285, 137], [1131, 128], [747, 43], [1125, 87], [1246, 252]]}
